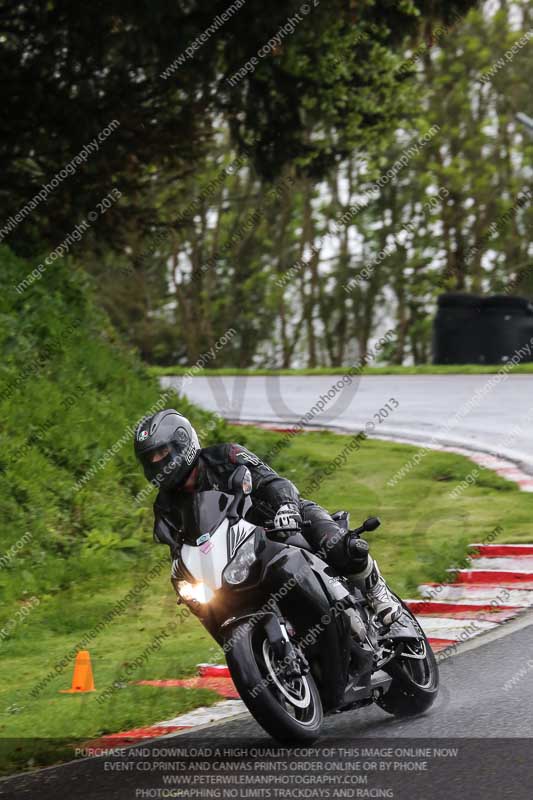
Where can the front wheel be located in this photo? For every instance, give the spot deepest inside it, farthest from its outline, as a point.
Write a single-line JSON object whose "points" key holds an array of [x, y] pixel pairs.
{"points": [[415, 676], [290, 710]]}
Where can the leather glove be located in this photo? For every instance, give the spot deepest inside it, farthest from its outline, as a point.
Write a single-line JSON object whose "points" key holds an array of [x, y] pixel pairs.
{"points": [[288, 516]]}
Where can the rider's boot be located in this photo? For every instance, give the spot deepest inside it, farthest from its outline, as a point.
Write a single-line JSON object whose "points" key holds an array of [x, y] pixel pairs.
{"points": [[369, 580]]}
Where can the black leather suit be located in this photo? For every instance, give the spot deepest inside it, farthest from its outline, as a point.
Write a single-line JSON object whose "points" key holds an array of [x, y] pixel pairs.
{"points": [[269, 491]]}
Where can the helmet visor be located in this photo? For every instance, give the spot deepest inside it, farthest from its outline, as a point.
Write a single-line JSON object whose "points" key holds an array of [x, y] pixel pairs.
{"points": [[157, 455], [165, 466]]}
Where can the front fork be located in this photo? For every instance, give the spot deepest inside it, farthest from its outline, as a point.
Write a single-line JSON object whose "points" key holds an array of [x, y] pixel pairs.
{"points": [[293, 662]]}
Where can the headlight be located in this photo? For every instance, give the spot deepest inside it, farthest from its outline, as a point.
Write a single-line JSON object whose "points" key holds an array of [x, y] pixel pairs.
{"points": [[238, 568], [198, 592]]}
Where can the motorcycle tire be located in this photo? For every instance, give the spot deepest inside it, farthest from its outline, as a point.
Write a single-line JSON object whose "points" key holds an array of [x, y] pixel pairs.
{"points": [[289, 710]]}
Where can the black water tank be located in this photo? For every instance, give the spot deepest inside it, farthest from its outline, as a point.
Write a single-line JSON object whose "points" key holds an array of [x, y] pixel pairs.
{"points": [[457, 331], [507, 325]]}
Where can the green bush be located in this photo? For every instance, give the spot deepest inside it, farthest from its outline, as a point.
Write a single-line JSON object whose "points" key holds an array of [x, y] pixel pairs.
{"points": [[69, 391]]}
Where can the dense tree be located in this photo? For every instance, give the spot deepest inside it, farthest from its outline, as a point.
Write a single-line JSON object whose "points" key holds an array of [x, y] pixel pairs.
{"points": [[282, 76], [254, 193]]}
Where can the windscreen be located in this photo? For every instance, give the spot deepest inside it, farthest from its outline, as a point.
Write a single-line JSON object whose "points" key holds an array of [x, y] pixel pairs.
{"points": [[204, 513]]}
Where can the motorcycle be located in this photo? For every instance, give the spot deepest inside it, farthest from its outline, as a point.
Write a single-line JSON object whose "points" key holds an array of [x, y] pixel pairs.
{"points": [[299, 640]]}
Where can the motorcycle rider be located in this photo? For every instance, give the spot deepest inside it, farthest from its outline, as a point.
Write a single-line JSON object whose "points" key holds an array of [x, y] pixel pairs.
{"points": [[167, 446]]}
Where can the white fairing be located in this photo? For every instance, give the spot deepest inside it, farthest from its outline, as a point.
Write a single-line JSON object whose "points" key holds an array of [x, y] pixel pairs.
{"points": [[206, 562]]}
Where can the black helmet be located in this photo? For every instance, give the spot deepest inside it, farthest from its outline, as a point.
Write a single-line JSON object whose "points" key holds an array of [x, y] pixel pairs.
{"points": [[167, 446]]}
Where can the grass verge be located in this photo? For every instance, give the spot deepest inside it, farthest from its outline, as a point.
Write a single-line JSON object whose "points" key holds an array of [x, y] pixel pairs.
{"points": [[421, 369]]}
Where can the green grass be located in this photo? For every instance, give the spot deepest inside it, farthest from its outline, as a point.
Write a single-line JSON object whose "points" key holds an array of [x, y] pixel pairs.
{"points": [[423, 532], [423, 529], [41, 729], [69, 395], [421, 369]]}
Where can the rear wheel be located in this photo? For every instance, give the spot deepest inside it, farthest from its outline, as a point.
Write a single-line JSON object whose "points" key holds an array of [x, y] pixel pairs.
{"points": [[415, 676], [290, 710]]}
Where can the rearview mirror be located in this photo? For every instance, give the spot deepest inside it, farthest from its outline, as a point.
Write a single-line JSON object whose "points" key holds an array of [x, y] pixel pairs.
{"points": [[371, 524], [241, 480]]}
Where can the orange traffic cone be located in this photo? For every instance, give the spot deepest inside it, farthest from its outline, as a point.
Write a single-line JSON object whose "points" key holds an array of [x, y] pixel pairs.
{"points": [[82, 680]]}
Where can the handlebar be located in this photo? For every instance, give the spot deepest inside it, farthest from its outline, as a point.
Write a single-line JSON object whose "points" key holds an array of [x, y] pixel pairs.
{"points": [[284, 533], [269, 525], [280, 534]]}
